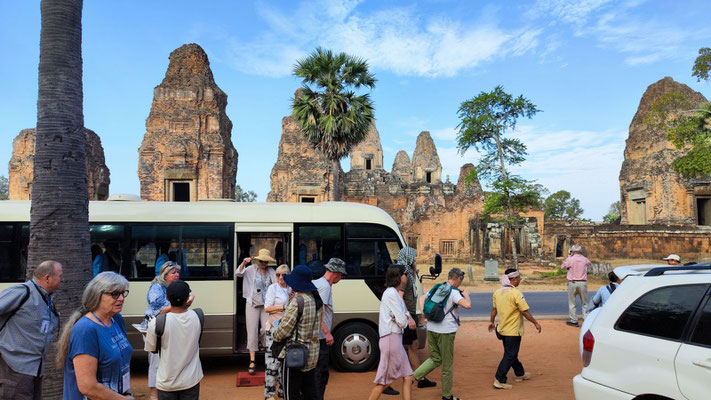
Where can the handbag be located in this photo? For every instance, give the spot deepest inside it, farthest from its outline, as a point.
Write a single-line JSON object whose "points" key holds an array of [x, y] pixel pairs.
{"points": [[297, 354], [257, 299]]}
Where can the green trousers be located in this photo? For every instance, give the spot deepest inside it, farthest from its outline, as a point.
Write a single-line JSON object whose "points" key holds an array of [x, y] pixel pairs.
{"points": [[441, 348]]}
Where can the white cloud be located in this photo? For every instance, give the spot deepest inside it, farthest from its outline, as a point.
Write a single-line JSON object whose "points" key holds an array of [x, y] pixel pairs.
{"points": [[619, 26], [449, 134], [397, 39]]}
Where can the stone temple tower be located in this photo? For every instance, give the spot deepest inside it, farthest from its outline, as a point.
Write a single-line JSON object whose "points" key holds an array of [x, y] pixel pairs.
{"points": [[21, 166], [368, 155], [187, 152], [426, 167]]}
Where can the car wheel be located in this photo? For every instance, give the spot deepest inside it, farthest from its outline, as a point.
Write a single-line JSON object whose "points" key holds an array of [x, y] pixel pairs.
{"points": [[355, 348]]}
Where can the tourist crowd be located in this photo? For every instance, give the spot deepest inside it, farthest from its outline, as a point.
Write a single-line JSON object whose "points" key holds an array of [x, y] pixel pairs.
{"points": [[288, 316]]}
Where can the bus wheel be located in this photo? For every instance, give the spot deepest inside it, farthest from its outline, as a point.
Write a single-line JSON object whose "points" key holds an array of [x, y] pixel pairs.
{"points": [[355, 348]]}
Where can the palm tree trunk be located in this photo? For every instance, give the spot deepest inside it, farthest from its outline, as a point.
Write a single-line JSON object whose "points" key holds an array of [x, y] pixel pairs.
{"points": [[335, 169], [59, 226]]}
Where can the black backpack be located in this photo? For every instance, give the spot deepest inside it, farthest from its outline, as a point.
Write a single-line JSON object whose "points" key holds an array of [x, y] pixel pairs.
{"points": [[160, 327]]}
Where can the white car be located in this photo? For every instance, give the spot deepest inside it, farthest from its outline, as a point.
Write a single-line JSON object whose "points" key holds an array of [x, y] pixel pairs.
{"points": [[651, 339]]}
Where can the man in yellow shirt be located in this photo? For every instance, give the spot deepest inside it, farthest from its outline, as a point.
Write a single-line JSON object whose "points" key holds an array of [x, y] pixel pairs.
{"points": [[511, 307]]}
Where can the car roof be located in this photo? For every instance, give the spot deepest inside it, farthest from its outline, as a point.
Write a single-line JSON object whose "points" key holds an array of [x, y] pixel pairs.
{"points": [[625, 271]]}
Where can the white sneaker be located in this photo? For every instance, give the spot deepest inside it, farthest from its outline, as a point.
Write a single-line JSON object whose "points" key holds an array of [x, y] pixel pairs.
{"points": [[500, 385], [526, 376]]}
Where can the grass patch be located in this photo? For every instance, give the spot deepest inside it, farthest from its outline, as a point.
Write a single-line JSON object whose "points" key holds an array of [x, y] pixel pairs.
{"points": [[558, 272]]}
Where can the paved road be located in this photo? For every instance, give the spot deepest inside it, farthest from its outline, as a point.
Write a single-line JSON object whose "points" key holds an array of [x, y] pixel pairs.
{"points": [[542, 304]]}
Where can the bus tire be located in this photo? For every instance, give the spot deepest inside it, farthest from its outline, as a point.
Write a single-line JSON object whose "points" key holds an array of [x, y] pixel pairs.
{"points": [[355, 348]]}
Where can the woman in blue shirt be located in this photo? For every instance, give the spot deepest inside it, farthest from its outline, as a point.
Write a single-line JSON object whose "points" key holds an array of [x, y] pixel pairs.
{"points": [[93, 348]]}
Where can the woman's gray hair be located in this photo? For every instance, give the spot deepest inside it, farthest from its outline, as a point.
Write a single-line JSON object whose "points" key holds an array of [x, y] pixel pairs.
{"points": [[91, 298], [283, 268], [164, 270]]}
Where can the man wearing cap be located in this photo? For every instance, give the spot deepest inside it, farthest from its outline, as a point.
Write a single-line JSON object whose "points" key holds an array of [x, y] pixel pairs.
{"points": [[335, 269], [672, 259], [577, 267], [179, 370]]}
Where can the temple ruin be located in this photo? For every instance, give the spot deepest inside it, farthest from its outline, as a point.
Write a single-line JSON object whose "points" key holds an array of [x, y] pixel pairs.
{"points": [[650, 191], [21, 166], [187, 152], [435, 216]]}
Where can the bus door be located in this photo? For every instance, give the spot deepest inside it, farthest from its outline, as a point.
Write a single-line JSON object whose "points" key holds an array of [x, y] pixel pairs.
{"points": [[252, 237]]}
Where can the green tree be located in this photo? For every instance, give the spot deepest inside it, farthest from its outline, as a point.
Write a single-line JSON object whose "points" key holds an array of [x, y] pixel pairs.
{"points": [[614, 213], [4, 188], [331, 116], [59, 214], [560, 205], [702, 65], [244, 196], [485, 119], [688, 125]]}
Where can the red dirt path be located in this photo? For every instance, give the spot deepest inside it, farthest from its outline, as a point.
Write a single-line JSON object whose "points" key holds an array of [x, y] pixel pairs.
{"points": [[551, 356]]}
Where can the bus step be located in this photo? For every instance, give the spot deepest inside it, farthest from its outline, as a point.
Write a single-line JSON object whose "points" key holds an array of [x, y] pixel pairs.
{"points": [[245, 379]]}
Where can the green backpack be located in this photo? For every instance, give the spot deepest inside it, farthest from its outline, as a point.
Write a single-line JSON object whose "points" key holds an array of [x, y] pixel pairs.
{"points": [[435, 302]]}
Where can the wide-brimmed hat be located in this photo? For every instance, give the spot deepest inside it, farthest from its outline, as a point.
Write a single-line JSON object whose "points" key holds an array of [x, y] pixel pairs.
{"points": [[674, 257], [336, 265], [300, 279], [264, 255]]}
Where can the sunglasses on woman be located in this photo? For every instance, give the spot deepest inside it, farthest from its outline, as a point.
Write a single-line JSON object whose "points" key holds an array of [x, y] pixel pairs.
{"points": [[281, 274], [115, 295]]}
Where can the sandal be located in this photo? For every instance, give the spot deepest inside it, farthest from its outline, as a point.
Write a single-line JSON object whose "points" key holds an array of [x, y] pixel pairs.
{"points": [[252, 367]]}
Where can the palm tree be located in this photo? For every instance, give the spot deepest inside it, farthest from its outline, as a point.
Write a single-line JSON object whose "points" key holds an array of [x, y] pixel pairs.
{"points": [[331, 117], [59, 217]]}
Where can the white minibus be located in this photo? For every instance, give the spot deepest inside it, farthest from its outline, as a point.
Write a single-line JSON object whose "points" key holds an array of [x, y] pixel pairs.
{"points": [[209, 238]]}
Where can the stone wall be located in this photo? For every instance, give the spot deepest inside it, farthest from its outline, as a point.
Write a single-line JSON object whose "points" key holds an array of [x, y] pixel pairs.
{"points": [[650, 191], [187, 152], [607, 241], [21, 166]]}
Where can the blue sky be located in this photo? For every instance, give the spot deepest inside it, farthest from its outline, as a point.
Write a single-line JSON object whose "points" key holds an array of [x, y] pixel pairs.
{"points": [[585, 64]]}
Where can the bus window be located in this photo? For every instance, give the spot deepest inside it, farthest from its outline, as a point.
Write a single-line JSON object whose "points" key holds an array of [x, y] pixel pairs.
{"points": [[107, 250], [318, 243], [14, 238], [277, 243], [202, 251], [371, 250]]}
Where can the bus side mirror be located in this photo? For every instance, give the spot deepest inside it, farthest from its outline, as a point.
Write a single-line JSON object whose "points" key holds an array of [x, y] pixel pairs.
{"points": [[435, 270]]}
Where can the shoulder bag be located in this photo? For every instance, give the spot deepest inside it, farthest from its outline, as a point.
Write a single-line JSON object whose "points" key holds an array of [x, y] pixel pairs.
{"points": [[297, 354]]}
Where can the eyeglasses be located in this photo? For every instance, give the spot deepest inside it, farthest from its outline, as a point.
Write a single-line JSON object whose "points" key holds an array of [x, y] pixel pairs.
{"points": [[115, 295], [284, 274]]}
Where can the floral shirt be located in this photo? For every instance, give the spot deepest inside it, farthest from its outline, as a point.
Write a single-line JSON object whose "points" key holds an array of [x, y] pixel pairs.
{"points": [[156, 299]]}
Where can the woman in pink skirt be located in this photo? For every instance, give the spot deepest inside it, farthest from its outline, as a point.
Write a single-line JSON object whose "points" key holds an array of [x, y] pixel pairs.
{"points": [[393, 319]]}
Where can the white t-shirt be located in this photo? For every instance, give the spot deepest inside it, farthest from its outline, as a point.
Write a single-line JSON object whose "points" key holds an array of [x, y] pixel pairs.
{"points": [[324, 290], [448, 324], [179, 366]]}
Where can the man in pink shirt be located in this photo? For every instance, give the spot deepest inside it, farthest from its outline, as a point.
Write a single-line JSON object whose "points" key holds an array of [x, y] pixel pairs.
{"points": [[577, 267]]}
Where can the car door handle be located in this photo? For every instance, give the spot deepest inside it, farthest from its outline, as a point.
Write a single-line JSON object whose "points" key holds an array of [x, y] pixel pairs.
{"points": [[702, 363]]}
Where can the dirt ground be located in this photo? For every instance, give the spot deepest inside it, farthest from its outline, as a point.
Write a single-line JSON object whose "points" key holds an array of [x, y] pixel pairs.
{"points": [[551, 356]]}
